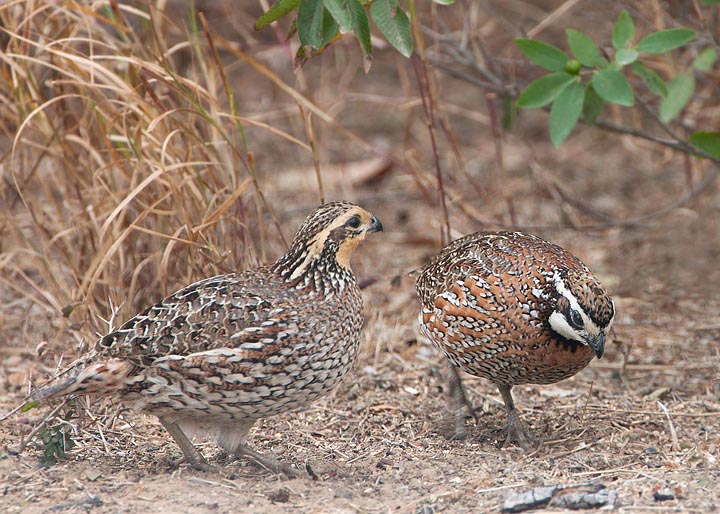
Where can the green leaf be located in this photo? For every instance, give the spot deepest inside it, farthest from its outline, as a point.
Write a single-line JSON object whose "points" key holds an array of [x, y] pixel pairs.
{"points": [[626, 56], [623, 31], [612, 87], [340, 12], [711, 2], [593, 105], [330, 32], [652, 80], [665, 40], [30, 405], [708, 142], [277, 10], [680, 90], [544, 90], [544, 55], [310, 23], [583, 48], [565, 112], [330, 29], [393, 23], [705, 61], [361, 27]]}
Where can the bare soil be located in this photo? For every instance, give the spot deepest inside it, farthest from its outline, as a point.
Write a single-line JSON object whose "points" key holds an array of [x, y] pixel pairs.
{"points": [[642, 419]]}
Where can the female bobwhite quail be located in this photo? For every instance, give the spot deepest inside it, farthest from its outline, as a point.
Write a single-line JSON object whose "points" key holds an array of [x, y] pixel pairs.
{"points": [[219, 354], [514, 309]]}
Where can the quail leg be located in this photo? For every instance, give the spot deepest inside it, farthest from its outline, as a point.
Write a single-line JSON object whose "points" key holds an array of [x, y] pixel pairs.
{"points": [[191, 455], [517, 429], [458, 401], [267, 462]]}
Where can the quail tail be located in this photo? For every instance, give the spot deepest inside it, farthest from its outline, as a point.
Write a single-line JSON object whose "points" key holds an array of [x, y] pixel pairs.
{"points": [[102, 377]]}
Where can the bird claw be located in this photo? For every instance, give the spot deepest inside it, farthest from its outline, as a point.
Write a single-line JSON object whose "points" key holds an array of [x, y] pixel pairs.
{"points": [[207, 467], [281, 468], [269, 463], [519, 435], [196, 464]]}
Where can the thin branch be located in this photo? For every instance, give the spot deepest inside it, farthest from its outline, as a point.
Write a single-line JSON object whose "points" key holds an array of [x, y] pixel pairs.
{"points": [[643, 219], [464, 76], [680, 145], [424, 87], [551, 18], [608, 222], [684, 200], [621, 129]]}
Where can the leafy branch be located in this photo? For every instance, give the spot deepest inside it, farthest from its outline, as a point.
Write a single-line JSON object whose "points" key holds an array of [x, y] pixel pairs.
{"points": [[577, 89], [467, 59], [319, 23], [581, 85]]}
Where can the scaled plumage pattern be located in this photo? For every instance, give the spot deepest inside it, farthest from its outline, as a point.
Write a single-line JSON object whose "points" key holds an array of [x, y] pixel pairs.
{"points": [[219, 354], [514, 309]]}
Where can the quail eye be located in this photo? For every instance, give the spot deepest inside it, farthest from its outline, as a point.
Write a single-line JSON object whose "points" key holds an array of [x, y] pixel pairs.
{"points": [[354, 222], [576, 318]]}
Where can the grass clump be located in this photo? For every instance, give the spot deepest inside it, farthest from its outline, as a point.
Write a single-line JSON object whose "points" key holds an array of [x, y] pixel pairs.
{"points": [[125, 168]]}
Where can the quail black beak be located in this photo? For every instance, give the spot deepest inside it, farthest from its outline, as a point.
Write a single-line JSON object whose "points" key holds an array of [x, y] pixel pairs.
{"points": [[375, 225], [597, 344]]}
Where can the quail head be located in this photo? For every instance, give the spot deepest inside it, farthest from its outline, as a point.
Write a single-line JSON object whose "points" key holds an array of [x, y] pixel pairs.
{"points": [[514, 309], [216, 356]]}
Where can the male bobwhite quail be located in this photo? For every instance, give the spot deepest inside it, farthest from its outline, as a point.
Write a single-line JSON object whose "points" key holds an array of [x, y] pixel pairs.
{"points": [[514, 309], [219, 354]]}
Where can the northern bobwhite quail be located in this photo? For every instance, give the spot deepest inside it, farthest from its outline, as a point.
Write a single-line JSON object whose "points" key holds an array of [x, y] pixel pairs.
{"points": [[218, 355], [514, 309]]}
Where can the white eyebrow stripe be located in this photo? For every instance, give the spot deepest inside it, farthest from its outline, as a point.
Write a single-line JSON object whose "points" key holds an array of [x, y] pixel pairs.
{"points": [[590, 326]]}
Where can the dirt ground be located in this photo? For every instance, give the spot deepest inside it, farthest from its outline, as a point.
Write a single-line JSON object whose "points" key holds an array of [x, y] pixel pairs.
{"points": [[644, 421], [641, 420]]}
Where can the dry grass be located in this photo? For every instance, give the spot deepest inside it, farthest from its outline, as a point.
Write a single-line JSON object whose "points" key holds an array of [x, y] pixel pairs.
{"points": [[142, 149], [127, 169]]}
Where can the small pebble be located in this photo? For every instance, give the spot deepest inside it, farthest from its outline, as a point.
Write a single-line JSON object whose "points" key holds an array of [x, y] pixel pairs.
{"points": [[663, 495]]}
